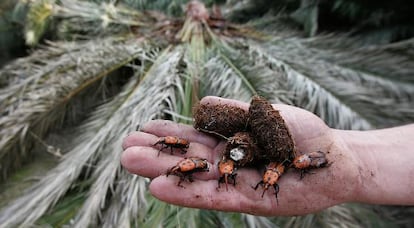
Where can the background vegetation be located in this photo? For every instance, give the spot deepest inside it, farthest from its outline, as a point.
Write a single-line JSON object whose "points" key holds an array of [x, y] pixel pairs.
{"points": [[77, 76]]}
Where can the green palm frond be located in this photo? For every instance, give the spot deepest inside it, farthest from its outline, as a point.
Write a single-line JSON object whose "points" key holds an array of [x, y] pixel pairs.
{"points": [[158, 66]]}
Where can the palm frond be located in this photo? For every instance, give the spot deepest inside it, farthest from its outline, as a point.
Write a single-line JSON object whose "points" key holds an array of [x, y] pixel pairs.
{"points": [[127, 207], [48, 191], [391, 61], [128, 111], [28, 106], [173, 8], [355, 88], [159, 81], [223, 81], [349, 215], [85, 19], [256, 75], [352, 89], [307, 93]]}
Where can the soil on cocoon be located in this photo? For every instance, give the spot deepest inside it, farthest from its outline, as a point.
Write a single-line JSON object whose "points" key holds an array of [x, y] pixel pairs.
{"points": [[223, 120], [270, 131]]}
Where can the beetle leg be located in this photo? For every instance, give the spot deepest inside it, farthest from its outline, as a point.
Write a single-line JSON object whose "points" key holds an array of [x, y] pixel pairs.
{"points": [[179, 183], [174, 171], [302, 173], [226, 180], [190, 178], [264, 190], [182, 178], [162, 148], [233, 176], [218, 182], [158, 142], [169, 172], [257, 185], [276, 187]]}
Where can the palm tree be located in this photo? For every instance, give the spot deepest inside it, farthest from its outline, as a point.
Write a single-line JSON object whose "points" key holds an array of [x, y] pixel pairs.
{"points": [[114, 66]]}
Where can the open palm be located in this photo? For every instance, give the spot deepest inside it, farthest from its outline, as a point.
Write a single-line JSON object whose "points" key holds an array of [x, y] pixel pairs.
{"points": [[321, 189]]}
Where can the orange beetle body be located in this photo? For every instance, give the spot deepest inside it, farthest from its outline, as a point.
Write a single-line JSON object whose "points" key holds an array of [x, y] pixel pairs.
{"points": [[227, 170], [316, 159], [302, 162], [186, 167], [173, 142], [271, 176]]}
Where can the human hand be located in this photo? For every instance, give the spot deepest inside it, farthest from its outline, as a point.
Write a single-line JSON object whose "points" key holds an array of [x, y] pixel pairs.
{"points": [[323, 188]]}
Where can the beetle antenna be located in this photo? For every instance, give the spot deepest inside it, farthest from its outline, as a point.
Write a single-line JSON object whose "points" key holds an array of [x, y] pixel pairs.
{"points": [[213, 132], [286, 160]]}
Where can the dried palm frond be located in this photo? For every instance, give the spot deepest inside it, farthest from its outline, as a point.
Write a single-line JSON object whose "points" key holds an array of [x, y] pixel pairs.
{"points": [[230, 75], [390, 61], [90, 19], [350, 215], [346, 91], [355, 87], [159, 82], [41, 88], [108, 125], [165, 215], [48, 191], [129, 202]]}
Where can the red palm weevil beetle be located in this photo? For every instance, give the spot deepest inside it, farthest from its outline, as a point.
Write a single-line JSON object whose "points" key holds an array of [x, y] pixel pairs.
{"points": [[227, 170], [173, 142], [186, 167], [316, 159], [272, 174]]}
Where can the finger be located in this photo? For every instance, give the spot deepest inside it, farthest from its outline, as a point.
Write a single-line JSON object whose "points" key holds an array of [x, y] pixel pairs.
{"points": [[294, 197], [195, 149], [141, 161], [144, 161], [138, 138], [166, 127], [203, 194]]}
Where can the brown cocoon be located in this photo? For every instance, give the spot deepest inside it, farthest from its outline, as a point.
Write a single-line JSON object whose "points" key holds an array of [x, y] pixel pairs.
{"points": [[270, 131], [222, 119], [242, 143]]}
